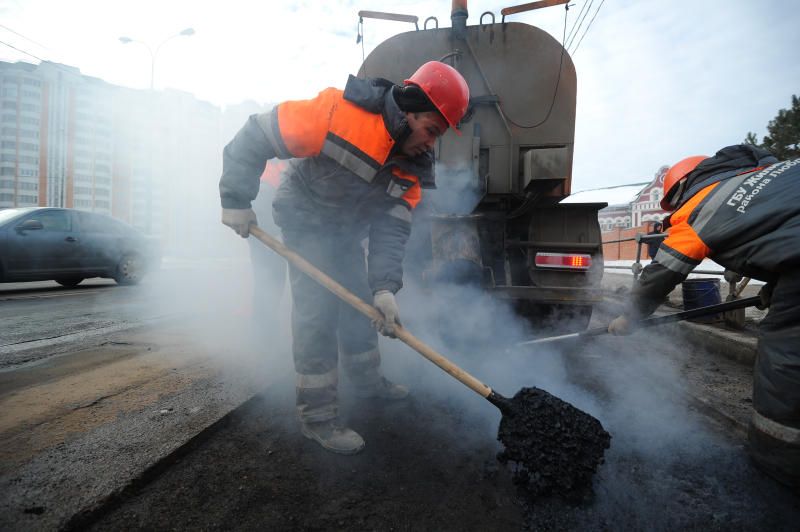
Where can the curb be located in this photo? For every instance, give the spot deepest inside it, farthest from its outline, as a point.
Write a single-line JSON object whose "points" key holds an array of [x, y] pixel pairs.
{"points": [[734, 345], [84, 518]]}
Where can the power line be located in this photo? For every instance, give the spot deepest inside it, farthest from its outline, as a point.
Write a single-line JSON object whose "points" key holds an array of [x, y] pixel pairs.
{"points": [[575, 24], [589, 8], [24, 37], [58, 66], [21, 50], [587, 27]]}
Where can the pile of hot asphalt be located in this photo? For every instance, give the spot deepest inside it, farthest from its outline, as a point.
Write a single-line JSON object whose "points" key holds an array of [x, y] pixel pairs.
{"points": [[554, 447]]}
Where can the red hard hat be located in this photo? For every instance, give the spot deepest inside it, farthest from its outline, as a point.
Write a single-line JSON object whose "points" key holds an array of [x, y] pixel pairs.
{"points": [[444, 87], [675, 174]]}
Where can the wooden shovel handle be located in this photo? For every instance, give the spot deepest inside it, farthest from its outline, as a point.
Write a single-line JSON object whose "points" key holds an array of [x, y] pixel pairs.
{"points": [[369, 311]]}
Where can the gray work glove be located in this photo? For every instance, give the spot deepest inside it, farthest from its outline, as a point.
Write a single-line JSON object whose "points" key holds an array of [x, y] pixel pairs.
{"points": [[620, 326], [239, 220], [385, 302]]}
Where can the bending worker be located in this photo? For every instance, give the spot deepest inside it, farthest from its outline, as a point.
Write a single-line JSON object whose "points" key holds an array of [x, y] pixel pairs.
{"points": [[742, 209], [363, 157]]}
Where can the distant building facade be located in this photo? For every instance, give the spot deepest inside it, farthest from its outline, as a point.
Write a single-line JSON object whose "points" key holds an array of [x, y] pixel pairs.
{"points": [[615, 216], [631, 209], [56, 142], [21, 142], [629, 206], [647, 205], [71, 140]]}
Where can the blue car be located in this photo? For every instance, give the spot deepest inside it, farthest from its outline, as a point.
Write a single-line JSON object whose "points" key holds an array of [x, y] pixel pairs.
{"points": [[68, 246]]}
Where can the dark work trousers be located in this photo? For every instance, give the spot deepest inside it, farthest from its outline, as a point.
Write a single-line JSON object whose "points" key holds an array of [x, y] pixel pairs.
{"points": [[269, 269], [323, 325], [774, 435]]}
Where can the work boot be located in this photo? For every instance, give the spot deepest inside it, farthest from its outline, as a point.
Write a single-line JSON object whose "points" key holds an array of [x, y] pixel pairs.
{"points": [[382, 388], [333, 436]]}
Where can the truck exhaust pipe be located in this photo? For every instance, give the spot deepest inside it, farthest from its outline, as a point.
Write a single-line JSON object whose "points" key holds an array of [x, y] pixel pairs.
{"points": [[458, 17]]}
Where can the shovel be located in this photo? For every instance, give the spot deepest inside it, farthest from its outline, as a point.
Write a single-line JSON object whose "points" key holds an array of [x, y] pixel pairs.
{"points": [[503, 403], [660, 320], [564, 454]]}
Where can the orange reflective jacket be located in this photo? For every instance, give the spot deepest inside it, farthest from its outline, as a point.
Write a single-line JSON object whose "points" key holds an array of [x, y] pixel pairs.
{"points": [[345, 132], [349, 176], [683, 249]]}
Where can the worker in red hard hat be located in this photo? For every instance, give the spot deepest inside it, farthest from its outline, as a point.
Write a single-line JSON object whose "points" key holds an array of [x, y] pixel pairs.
{"points": [[363, 156], [741, 208]]}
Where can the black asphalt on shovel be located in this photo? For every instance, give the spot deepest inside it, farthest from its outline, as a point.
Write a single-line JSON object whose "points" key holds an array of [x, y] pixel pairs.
{"points": [[651, 322], [555, 446]]}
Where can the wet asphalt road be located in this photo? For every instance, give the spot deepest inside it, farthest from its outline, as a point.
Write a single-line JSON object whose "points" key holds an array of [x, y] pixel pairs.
{"points": [[430, 462], [99, 382], [42, 319], [37, 318]]}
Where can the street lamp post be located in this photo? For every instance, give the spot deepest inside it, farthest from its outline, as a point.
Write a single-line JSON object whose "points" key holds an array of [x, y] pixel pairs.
{"points": [[188, 32]]}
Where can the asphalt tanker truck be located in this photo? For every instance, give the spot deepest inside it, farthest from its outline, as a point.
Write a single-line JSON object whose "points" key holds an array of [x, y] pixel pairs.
{"points": [[495, 219]]}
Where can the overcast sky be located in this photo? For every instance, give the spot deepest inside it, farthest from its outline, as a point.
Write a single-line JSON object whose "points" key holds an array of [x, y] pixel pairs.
{"points": [[657, 79]]}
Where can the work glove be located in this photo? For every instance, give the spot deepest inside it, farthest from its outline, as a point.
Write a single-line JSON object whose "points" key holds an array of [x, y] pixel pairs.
{"points": [[385, 302], [620, 326], [732, 276], [239, 220]]}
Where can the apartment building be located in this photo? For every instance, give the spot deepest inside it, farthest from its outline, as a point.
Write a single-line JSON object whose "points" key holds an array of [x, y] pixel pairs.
{"points": [[71, 140], [22, 98]]}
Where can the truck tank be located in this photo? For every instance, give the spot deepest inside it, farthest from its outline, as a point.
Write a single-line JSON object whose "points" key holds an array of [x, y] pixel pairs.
{"points": [[495, 219]]}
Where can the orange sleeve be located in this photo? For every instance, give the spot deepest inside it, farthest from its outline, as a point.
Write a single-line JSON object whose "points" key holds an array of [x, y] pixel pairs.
{"points": [[682, 237], [413, 194], [303, 124]]}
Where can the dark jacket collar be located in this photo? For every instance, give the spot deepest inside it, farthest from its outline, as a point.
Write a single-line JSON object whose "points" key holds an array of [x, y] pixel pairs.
{"points": [[375, 96], [728, 162]]}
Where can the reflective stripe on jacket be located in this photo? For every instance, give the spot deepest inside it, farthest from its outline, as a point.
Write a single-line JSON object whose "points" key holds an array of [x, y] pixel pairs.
{"points": [[748, 222]]}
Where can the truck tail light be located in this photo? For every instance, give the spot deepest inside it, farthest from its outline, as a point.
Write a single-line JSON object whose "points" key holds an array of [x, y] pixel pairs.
{"points": [[564, 261]]}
